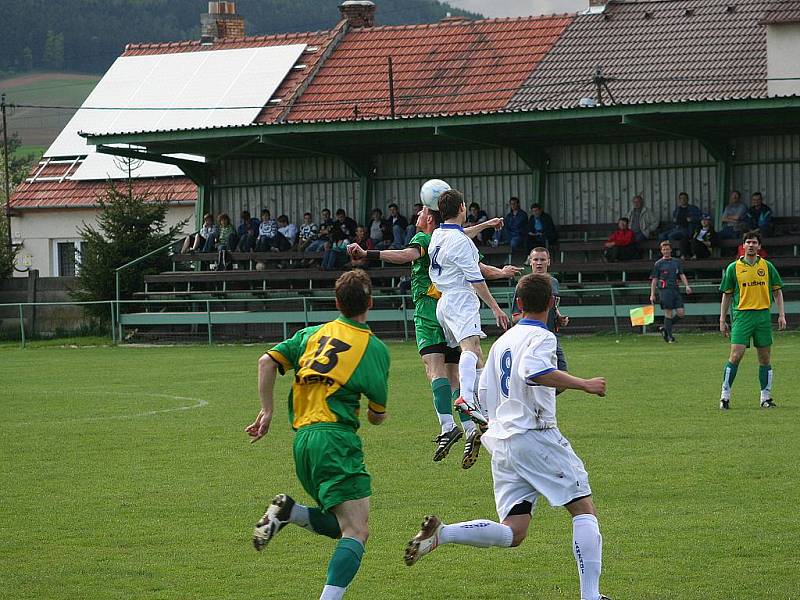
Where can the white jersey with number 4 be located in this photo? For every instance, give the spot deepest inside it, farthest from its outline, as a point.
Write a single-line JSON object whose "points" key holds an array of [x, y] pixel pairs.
{"points": [[454, 260], [513, 401]]}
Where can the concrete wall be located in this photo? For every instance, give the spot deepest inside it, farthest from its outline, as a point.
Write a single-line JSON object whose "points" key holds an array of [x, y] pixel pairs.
{"points": [[783, 58], [40, 230]]}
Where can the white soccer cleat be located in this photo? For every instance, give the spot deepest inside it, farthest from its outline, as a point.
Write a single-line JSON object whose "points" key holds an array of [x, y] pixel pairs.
{"points": [[275, 518], [426, 541], [473, 411]]}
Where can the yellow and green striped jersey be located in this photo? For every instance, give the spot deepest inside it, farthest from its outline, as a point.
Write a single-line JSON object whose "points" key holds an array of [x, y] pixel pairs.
{"points": [[334, 364], [751, 285], [421, 284]]}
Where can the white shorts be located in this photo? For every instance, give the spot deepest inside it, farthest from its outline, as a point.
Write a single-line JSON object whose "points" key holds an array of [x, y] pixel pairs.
{"points": [[459, 314], [536, 463]]}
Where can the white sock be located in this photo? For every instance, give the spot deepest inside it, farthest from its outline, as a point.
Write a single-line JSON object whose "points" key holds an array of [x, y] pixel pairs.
{"points": [[468, 426], [480, 532], [476, 396], [447, 422], [332, 592], [467, 367], [587, 546], [299, 515]]}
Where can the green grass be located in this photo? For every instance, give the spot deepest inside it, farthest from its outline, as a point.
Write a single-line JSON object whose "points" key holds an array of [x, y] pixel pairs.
{"points": [[104, 497]]}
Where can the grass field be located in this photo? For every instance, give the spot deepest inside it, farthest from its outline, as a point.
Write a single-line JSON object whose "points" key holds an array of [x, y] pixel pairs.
{"points": [[125, 474]]}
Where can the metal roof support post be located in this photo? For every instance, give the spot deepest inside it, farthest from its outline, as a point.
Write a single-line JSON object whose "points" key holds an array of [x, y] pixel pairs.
{"points": [[722, 153], [536, 160], [363, 167], [200, 207]]}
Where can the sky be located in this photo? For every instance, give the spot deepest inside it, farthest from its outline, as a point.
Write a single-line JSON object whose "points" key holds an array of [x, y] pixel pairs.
{"points": [[520, 8]]}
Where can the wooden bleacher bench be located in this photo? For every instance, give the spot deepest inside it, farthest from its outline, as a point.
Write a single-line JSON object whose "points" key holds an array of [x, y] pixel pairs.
{"points": [[252, 258], [585, 231]]}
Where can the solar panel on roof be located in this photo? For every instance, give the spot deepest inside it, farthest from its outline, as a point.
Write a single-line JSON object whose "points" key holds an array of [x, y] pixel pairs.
{"points": [[194, 81]]}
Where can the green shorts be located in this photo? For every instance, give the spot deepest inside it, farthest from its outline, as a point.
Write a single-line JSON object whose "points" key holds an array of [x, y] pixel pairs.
{"points": [[426, 325], [329, 462], [755, 324]]}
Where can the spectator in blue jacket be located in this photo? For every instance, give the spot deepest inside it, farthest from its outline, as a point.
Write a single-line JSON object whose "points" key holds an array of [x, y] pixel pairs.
{"points": [[515, 228], [685, 218], [541, 229], [759, 215]]}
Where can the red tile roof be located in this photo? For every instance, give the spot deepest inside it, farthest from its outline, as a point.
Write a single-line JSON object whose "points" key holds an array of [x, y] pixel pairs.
{"points": [[658, 51], [441, 68]]}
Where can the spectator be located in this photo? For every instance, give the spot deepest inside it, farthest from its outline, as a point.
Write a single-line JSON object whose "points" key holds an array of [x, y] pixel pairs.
{"points": [[664, 276], [336, 255], [248, 232], [641, 222], [366, 244], [326, 225], [514, 228], [287, 234], [703, 239], [346, 224], [541, 229], [223, 241], [199, 239], [621, 245], [759, 215], [399, 226], [308, 232], [734, 222], [476, 216], [267, 233], [379, 230], [411, 230], [685, 218]]}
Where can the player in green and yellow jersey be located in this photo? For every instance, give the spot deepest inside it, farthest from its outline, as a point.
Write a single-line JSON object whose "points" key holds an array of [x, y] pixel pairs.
{"points": [[334, 364], [750, 283], [441, 362]]}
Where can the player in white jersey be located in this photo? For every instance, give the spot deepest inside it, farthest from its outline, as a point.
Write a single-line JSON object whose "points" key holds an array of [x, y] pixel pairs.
{"points": [[530, 457], [455, 272]]}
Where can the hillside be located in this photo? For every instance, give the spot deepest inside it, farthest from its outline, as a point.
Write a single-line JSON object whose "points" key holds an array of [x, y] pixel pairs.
{"points": [[87, 35]]}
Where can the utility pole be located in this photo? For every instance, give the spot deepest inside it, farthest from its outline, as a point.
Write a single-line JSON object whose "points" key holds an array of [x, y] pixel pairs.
{"points": [[5, 168]]}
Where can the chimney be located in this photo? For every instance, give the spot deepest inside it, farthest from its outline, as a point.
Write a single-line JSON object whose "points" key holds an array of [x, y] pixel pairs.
{"points": [[596, 7], [220, 22], [358, 13]]}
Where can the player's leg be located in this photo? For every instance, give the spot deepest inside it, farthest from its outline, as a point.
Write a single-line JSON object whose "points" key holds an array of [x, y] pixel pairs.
{"points": [[729, 374], [561, 361], [680, 312], [765, 376], [353, 516], [472, 435], [668, 314], [587, 546], [450, 433]]}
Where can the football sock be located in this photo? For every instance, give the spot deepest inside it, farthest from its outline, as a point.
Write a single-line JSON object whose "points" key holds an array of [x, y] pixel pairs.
{"points": [[668, 327], [442, 403], [332, 592], [478, 373], [467, 366], [588, 550], [728, 375], [467, 425], [322, 523], [765, 379], [480, 532], [344, 564]]}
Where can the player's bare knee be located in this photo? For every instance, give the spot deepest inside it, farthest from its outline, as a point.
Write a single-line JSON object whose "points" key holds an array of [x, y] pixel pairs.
{"points": [[581, 506]]}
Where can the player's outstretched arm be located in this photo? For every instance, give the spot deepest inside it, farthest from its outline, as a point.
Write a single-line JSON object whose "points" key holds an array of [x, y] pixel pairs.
{"points": [[267, 373], [507, 272], [778, 294], [501, 318], [396, 257], [496, 223], [724, 308], [565, 381]]}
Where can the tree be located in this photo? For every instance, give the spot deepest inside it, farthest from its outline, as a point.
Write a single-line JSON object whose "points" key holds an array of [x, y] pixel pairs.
{"points": [[129, 226], [8, 256], [18, 167]]}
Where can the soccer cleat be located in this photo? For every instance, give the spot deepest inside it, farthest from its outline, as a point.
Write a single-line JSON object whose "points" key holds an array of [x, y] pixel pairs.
{"points": [[663, 333], [472, 411], [604, 597], [425, 541], [445, 441], [672, 340], [768, 403], [471, 449], [275, 518], [724, 404]]}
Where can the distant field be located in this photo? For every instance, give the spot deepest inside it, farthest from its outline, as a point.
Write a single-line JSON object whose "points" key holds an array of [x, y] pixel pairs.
{"points": [[39, 127], [125, 474]]}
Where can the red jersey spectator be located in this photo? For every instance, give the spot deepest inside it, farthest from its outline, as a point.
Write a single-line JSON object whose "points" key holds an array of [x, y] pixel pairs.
{"points": [[621, 245]]}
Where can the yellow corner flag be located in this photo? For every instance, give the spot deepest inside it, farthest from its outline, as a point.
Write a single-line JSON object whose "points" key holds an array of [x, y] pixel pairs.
{"points": [[644, 315]]}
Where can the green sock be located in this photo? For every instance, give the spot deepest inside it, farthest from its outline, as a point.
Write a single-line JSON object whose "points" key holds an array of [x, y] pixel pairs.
{"points": [[324, 523], [765, 377], [345, 562], [728, 375], [441, 396]]}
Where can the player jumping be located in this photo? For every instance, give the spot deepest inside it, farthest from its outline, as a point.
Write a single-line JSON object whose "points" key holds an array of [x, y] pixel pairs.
{"points": [[455, 272], [334, 364], [441, 361], [530, 457]]}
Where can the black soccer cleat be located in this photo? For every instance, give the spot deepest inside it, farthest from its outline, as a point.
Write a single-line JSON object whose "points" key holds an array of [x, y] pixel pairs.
{"points": [[471, 449], [275, 518], [445, 441], [724, 404], [768, 403]]}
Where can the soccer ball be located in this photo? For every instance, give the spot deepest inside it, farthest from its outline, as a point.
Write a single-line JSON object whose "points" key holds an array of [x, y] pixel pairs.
{"points": [[430, 191]]}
